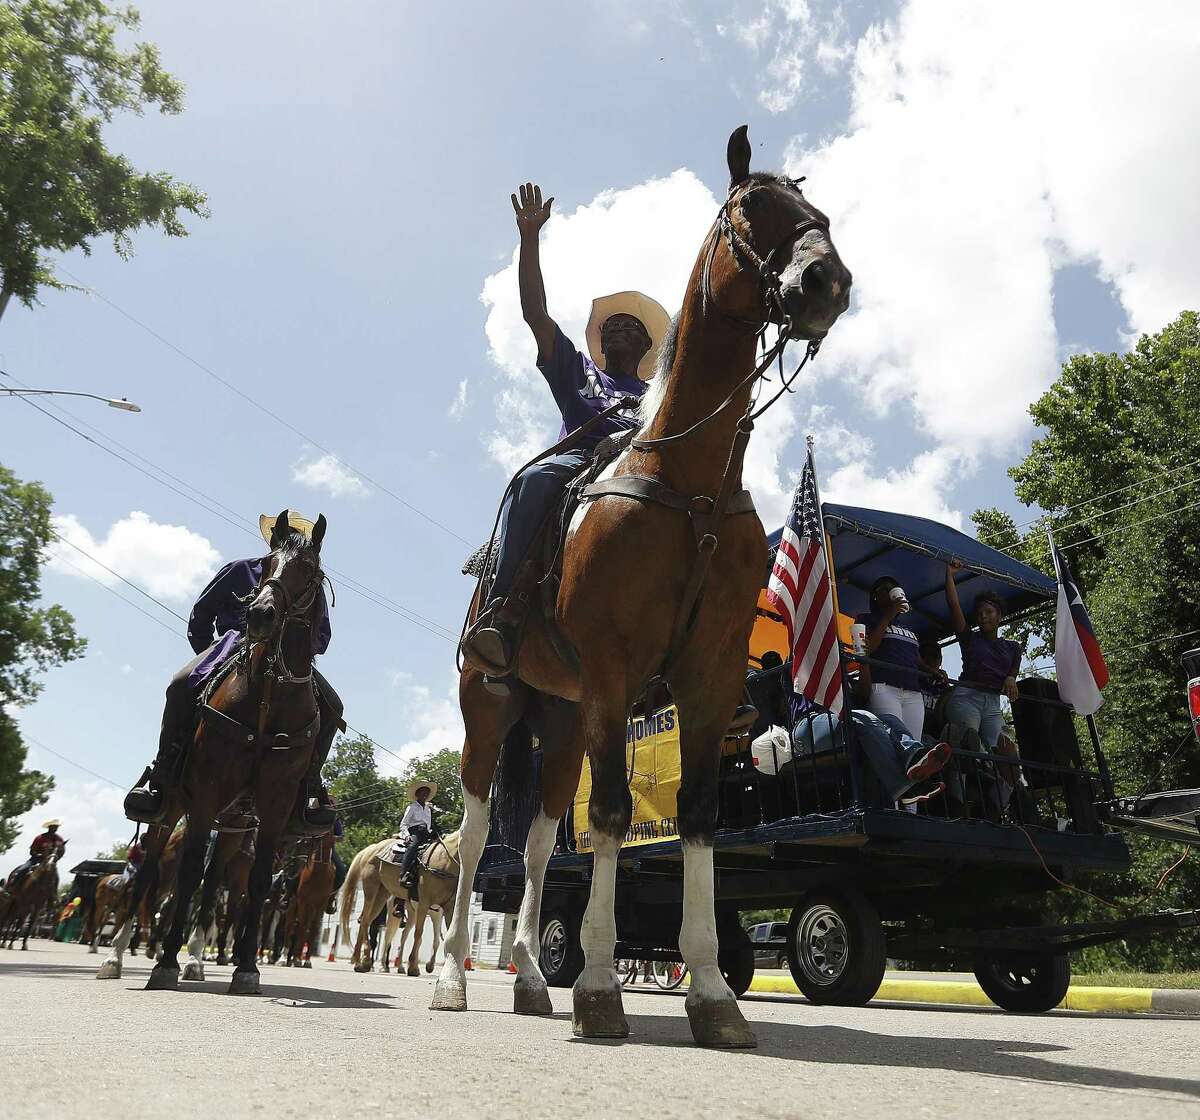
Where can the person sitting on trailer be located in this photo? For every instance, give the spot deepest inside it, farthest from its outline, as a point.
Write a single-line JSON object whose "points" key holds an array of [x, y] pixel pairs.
{"points": [[934, 686], [990, 664]]}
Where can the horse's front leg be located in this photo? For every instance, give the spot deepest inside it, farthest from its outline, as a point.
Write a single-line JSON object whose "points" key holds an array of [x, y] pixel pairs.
{"points": [[597, 1008], [191, 869], [246, 981], [193, 968], [437, 942], [713, 1012], [418, 923]]}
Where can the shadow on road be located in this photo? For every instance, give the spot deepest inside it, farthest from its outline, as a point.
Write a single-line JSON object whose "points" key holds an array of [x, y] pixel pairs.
{"points": [[833, 1046]]}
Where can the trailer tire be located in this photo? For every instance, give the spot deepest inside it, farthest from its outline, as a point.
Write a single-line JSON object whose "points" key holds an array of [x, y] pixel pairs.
{"points": [[560, 956], [836, 947], [736, 963], [1024, 982]]}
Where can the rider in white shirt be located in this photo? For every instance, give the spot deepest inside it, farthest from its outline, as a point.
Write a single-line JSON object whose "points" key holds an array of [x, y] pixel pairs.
{"points": [[415, 829]]}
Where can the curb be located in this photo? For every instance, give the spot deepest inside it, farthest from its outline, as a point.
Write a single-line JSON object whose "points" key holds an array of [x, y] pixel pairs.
{"points": [[969, 994]]}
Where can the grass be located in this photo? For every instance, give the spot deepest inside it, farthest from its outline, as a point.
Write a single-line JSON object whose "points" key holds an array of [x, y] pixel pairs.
{"points": [[1138, 980]]}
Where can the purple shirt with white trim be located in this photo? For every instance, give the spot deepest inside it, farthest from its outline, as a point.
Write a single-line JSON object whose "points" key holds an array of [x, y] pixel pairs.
{"points": [[581, 389]]}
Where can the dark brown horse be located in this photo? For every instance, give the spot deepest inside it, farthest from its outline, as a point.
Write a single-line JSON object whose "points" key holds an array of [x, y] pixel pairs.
{"points": [[237, 886], [768, 257], [32, 896], [254, 740], [309, 902]]}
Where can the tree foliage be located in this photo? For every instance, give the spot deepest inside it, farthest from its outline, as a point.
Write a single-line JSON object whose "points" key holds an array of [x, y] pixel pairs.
{"points": [[66, 75], [1117, 470], [33, 638], [372, 805]]}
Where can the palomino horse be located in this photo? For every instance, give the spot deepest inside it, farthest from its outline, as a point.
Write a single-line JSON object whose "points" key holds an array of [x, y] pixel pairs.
{"points": [[309, 902], [768, 257], [410, 915], [32, 895], [255, 739], [381, 880]]}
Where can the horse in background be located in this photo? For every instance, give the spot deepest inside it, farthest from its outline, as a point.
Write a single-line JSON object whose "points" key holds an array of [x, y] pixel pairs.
{"points": [[410, 915], [309, 901], [34, 894]]}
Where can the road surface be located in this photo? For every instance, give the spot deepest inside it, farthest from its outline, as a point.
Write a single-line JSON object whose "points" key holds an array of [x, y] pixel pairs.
{"points": [[328, 1043]]}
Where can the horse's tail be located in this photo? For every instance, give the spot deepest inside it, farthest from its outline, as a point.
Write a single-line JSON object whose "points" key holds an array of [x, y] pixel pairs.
{"points": [[350, 891], [515, 788]]}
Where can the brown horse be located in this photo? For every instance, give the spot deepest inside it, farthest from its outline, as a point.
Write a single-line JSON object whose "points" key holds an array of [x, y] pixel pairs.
{"points": [[111, 892], [309, 902], [237, 884], [254, 740], [768, 257], [33, 894]]}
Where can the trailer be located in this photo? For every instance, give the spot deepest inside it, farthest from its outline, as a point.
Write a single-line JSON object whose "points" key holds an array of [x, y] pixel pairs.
{"points": [[963, 882]]}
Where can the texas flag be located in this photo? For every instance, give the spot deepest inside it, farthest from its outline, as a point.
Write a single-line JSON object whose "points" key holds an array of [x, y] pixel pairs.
{"points": [[1082, 672]]}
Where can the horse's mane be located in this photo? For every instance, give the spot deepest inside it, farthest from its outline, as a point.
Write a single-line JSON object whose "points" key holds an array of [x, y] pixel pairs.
{"points": [[653, 396]]}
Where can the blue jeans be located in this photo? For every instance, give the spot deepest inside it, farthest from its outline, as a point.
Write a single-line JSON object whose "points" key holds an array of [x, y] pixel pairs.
{"points": [[530, 498], [884, 741], [970, 707]]}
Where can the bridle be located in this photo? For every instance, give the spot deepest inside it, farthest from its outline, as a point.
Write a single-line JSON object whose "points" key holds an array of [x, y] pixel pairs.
{"points": [[770, 288], [297, 610]]}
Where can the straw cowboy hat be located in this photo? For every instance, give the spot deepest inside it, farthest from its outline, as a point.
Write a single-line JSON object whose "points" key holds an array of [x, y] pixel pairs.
{"points": [[420, 783], [53, 822], [651, 315], [301, 524]]}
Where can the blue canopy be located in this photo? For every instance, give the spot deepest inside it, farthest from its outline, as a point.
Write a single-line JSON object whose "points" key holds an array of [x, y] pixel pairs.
{"points": [[869, 543]]}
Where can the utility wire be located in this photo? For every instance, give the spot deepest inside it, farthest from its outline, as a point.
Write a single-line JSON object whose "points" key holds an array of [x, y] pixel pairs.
{"points": [[265, 410], [79, 765]]}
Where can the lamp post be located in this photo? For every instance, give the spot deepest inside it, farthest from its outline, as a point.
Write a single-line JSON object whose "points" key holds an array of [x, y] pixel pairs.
{"points": [[112, 402]]}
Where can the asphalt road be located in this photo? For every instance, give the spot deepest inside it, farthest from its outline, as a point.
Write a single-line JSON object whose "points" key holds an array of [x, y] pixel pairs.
{"points": [[326, 1042]]}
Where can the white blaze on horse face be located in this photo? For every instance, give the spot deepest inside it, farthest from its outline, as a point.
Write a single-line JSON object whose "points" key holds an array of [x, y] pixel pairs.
{"points": [[473, 837], [527, 943], [698, 935], [599, 933]]}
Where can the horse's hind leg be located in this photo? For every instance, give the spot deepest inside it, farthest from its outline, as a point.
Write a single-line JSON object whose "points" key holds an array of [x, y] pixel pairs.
{"points": [[561, 761], [191, 868], [418, 914], [488, 719], [597, 1008], [713, 1012]]}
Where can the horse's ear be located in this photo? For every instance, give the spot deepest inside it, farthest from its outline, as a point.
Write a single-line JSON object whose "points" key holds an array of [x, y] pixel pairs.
{"points": [[318, 533], [280, 530], [738, 155]]}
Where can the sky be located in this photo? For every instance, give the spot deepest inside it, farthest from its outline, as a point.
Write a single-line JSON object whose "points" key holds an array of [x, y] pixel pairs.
{"points": [[1009, 184]]}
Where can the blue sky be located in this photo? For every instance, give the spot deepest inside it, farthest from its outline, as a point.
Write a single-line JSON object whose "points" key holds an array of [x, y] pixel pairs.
{"points": [[1007, 187]]}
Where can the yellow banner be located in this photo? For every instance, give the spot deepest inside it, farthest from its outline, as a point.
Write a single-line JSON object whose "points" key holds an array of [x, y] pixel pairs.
{"points": [[652, 765]]}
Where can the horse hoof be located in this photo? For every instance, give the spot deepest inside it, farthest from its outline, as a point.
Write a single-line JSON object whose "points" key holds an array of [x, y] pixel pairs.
{"points": [[365, 966], [245, 983], [93, 949], [222, 958], [413, 970], [109, 970], [720, 1024], [449, 995], [192, 970], [531, 999], [306, 964], [163, 979], [385, 968], [429, 967], [599, 1015]]}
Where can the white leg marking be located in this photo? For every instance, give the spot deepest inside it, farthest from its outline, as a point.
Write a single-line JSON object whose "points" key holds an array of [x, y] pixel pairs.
{"points": [[527, 944], [698, 935], [472, 839], [599, 933], [110, 969], [193, 968]]}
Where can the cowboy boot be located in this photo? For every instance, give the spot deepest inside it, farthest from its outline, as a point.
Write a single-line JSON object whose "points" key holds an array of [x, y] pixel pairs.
{"points": [[490, 645], [146, 805]]}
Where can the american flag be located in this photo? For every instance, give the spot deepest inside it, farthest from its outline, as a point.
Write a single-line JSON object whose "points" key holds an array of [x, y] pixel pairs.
{"points": [[799, 590]]}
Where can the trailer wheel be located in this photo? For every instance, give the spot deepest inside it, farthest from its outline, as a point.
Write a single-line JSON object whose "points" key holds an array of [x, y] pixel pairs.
{"points": [[1028, 982], [560, 955], [736, 963], [836, 948]]}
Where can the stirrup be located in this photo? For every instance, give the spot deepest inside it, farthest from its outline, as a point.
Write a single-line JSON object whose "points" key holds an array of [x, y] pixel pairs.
{"points": [[488, 647], [145, 806]]}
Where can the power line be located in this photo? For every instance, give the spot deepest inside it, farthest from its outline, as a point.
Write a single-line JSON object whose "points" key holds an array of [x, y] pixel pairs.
{"points": [[1131, 525], [376, 597], [50, 750], [114, 591], [266, 411]]}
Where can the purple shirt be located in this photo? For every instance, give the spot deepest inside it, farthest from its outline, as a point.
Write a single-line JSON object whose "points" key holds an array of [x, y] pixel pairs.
{"points": [[987, 662], [581, 389], [219, 613], [899, 647]]}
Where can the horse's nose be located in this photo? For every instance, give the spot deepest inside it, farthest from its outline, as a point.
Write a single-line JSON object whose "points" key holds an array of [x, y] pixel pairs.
{"points": [[826, 282], [260, 617]]}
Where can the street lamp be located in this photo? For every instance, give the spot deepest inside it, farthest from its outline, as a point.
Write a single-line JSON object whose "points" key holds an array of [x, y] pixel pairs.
{"points": [[112, 402]]}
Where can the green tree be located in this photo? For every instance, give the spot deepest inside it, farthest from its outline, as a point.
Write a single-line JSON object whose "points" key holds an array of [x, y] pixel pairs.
{"points": [[32, 639], [1117, 470], [367, 800], [442, 767], [65, 76]]}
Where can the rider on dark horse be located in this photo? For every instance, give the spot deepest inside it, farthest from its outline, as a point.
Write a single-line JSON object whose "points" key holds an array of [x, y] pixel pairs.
{"points": [[43, 847], [623, 335], [221, 612]]}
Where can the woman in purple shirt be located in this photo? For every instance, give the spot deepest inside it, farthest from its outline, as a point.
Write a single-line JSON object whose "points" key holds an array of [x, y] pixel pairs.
{"points": [[989, 664]]}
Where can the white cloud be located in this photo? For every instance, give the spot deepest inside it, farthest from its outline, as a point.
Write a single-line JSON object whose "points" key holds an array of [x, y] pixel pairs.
{"points": [[918, 488], [430, 721], [980, 158], [644, 237], [169, 561], [458, 406], [92, 815], [327, 473]]}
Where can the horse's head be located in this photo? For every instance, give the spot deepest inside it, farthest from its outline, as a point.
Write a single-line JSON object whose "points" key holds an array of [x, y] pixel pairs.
{"points": [[780, 262], [291, 579]]}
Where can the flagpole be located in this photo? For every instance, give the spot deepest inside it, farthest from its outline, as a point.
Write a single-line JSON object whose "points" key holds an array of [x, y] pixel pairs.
{"points": [[847, 705], [1106, 781]]}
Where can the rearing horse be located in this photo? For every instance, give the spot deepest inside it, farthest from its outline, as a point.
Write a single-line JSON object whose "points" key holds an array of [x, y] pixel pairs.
{"points": [[768, 257], [256, 736]]}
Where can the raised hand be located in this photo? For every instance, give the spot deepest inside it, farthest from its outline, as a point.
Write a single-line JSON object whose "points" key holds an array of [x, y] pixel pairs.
{"points": [[532, 212]]}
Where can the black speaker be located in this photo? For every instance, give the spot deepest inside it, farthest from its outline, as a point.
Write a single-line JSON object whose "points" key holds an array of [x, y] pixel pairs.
{"points": [[1045, 731]]}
